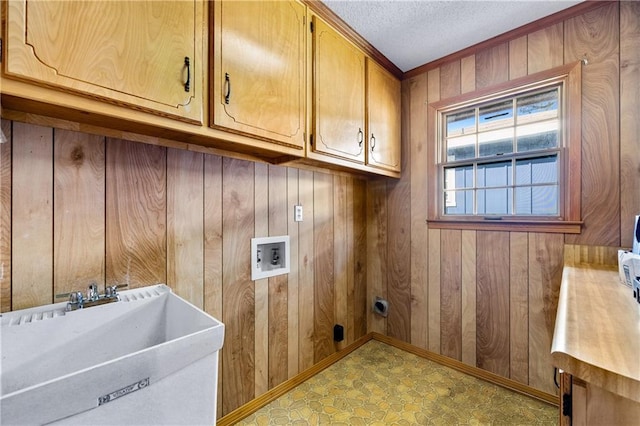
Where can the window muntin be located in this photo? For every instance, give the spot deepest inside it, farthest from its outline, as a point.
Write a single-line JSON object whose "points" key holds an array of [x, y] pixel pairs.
{"points": [[479, 180]]}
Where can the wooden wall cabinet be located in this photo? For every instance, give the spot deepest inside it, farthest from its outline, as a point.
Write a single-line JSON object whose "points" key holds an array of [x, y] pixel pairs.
{"points": [[356, 106], [130, 53], [383, 118], [587, 404], [259, 79], [338, 96]]}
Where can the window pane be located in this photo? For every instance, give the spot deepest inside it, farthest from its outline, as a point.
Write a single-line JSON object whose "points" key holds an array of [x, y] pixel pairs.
{"points": [[458, 202], [496, 142], [538, 107], [495, 174], [458, 177], [461, 148], [495, 201], [503, 156], [542, 135], [537, 200], [461, 123], [537, 170], [496, 116]]}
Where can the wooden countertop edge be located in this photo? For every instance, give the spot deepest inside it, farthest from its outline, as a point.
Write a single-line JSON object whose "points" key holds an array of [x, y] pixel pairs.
{"points": [[624, 386], [611, 381]]}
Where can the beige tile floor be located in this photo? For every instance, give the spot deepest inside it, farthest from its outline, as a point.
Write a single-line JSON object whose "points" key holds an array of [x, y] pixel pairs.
{"points": [[379, 384]]}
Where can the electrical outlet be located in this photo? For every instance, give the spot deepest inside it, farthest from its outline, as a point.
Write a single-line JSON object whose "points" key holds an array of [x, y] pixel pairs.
{"points": [[297, 213]]}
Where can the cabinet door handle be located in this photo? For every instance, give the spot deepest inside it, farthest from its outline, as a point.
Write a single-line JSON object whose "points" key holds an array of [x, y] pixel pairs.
{"points": [[360, 137], [372, 141], [227, 85], [187, 85]]}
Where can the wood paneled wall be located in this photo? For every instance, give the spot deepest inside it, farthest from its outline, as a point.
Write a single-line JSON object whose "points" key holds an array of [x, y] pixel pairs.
{"points": [[78, 208], [489, 298]]}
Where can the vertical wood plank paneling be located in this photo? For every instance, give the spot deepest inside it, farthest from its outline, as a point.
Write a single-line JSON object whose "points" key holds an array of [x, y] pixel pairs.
{"points": [[596, 35], [292, 280], [493, 302], [185, 224], [278, 321], [213, 235], [376, 251], [135, 210], [629, 122], [5, 215], [79, 206], [492, 66], [399, 249], [323, 268], [519, 306], [261, 287], [602, 255], [468, 74], [361, 303], [340, 253], [433, 238], [349, 329], [32, 216], [545, 274], [545, 49], [213, 249], [399, 258], [451, 293], [569, 255], [415, 110], [518, 58], [306, 266], [434, 290], [136, 213], [450, 79], [238, 301], [469, 297]]}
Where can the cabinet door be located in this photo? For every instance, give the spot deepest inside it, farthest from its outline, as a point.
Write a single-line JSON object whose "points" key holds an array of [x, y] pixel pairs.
{"points": [[125, 52], [259, 69], [338, 98], [383, 104]]}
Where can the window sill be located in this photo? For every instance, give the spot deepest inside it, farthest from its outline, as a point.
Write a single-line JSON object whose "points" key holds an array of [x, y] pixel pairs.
{"points": [[559, 226]]}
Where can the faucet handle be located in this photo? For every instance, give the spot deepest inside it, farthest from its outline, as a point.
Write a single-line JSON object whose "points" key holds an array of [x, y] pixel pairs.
{"points": [[73, 296], [112, 290], [93, 293]]}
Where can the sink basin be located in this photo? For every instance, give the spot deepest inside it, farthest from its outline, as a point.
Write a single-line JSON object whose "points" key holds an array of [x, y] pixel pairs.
{"points": [[151, 358]]}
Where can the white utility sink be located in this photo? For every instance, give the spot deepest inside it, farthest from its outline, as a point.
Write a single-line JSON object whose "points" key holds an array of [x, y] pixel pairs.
{"points": [[150, 358]]}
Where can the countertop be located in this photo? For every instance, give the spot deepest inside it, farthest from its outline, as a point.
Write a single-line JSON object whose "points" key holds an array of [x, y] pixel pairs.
{"points": [[597, 331]]}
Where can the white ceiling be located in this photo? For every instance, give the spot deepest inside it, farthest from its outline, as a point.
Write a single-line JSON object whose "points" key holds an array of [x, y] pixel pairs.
{"points": [[411, 33]]}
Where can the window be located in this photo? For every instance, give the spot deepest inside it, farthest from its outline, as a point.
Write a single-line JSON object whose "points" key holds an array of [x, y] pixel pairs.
{"points": [[510, 156]]}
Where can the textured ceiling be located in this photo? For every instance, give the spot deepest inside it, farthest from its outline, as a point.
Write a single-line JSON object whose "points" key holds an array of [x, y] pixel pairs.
{"points": [[411, 33]]}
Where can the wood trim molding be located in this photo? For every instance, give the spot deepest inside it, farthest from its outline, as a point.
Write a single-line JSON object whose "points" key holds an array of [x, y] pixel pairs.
{"points": [[568, 77], [576, 10], [273, 394], [562, 227], [470, 370], [336, 22], [264, 399]]}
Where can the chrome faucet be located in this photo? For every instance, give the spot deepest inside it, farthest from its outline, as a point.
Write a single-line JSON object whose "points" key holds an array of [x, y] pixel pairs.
{"points": [[77, 300]]}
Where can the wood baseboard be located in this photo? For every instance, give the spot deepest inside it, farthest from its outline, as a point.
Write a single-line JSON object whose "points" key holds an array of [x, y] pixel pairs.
{"points": [[470, 370], [273, 394]]}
